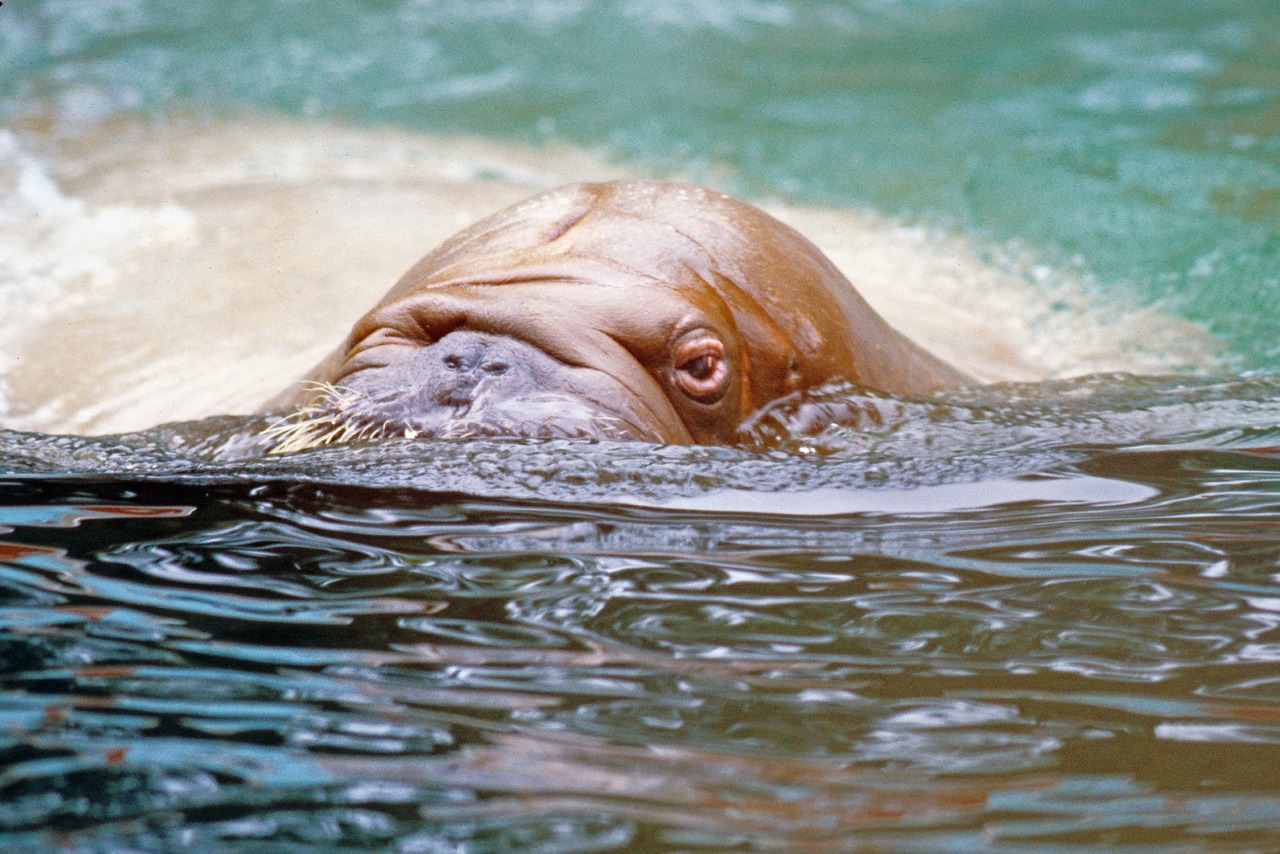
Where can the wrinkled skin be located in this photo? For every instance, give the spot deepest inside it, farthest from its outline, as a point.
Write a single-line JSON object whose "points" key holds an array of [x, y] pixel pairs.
{"points": [[639, 310]]}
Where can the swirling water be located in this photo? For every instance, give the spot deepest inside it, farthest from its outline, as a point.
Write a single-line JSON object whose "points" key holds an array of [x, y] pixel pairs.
{"points": [[979, 626], [1026, 618]]}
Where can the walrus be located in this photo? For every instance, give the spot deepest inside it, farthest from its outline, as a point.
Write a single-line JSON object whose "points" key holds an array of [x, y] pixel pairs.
{"points": [[630, 310]]}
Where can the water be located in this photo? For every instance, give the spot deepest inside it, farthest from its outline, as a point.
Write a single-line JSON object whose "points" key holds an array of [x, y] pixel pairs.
{"points": [[1039, 615], [1026, 618]]}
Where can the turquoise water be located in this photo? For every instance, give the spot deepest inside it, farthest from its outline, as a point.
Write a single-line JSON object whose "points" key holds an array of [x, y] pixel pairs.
{"points": [[1134, 144]]}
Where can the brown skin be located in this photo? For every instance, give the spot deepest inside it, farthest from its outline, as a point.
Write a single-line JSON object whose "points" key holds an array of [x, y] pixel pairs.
{"points": [[670, 311]]}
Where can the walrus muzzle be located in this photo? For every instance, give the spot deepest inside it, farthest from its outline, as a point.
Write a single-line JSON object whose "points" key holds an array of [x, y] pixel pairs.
{"points": [[478, 384]]}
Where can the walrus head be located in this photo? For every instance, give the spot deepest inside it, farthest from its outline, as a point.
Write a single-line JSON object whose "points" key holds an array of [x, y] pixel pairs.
{"points": [[638, 310]]}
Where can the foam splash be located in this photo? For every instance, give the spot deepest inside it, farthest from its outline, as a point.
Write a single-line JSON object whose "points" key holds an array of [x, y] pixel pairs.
{"points": [[55, 242], [56, 251]]}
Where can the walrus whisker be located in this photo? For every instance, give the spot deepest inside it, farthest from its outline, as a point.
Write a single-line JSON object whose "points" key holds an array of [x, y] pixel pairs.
{"points": [[300, 435], [322, 422], [329, 437], [303, 437], [285, 428], [349, 431], [290, 434]]}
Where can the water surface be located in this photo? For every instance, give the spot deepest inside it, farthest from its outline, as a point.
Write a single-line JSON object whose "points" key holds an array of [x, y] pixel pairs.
{"points": [[981, 625]]}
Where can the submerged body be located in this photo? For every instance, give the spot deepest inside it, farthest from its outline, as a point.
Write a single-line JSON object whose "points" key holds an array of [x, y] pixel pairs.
{"points": [[640, 310]]}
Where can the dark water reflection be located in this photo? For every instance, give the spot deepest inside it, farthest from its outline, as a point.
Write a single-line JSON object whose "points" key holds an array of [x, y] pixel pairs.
{"points": [[352, 650]]}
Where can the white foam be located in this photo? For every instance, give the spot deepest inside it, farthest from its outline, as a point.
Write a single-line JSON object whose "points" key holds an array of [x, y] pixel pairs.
{"points": [[55, 250]]}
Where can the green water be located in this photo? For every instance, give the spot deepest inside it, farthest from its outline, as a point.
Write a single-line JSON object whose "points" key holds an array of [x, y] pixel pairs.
{"points": [[1132, 144]]}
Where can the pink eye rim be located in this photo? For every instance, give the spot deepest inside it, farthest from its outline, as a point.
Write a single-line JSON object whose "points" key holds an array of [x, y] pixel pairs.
{"points": [[700, 368]]}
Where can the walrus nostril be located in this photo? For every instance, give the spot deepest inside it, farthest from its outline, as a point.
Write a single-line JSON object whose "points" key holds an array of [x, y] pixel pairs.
{"points": [[453, 397]]}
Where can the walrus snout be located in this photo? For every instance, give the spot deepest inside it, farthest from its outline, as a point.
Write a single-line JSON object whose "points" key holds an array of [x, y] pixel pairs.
{"points": [[465, 366], [469, 383]]}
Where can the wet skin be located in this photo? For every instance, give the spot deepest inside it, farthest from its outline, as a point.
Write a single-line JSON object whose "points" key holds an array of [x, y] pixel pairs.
{"points": [[639, 310]]}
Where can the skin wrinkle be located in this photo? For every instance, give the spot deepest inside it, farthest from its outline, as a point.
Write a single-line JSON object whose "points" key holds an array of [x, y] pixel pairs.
{"points": [[642, 398], [763, 320], [562, 227], [478, 317], [549, 277], [705, 254]]}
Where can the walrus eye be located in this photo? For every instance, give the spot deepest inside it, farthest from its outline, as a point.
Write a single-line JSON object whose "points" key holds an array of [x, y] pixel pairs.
{"points": [[701, 369]]}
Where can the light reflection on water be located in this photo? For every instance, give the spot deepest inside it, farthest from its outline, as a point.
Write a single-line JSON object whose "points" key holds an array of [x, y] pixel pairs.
{"points": [[255, 661]]}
